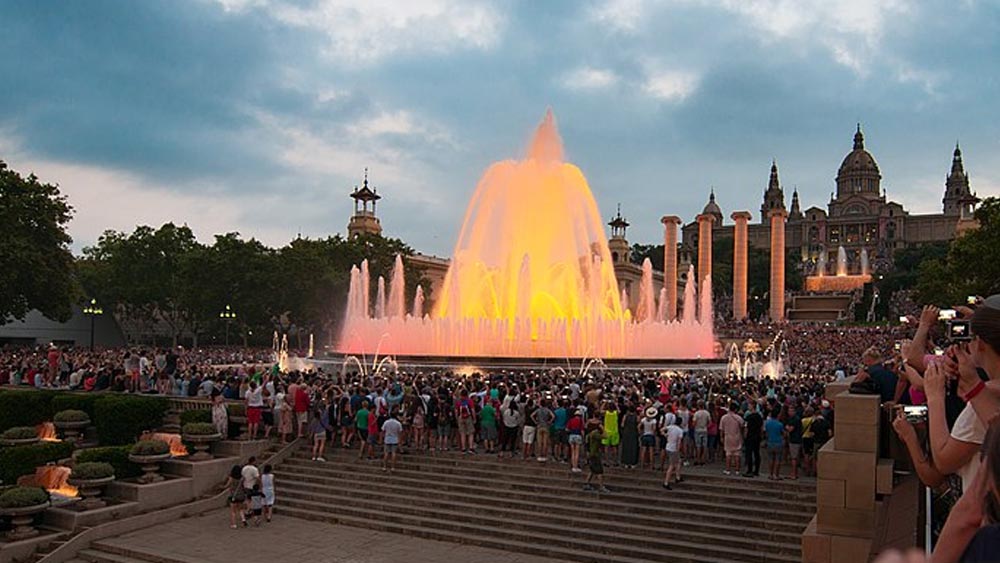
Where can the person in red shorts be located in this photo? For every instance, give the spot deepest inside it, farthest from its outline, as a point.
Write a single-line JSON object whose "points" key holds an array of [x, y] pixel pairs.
{"points": [[301, 407]]}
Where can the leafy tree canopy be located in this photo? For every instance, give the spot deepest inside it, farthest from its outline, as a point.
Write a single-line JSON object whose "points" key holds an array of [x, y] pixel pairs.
{"points": [[35, 261]]}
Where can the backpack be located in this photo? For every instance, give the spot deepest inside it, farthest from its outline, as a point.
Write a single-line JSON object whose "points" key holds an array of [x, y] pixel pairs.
{"points": [[464, 410]]}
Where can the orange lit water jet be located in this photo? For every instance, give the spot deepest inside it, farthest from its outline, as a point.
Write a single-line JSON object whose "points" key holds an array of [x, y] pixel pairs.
{"points": [[531, 276]]}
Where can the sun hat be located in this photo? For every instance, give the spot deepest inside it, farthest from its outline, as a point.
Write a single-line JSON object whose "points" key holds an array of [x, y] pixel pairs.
{"points": [[651, 412]]}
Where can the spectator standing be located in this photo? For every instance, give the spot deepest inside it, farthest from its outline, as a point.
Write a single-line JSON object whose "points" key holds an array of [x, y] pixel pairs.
{"points": [[731, 428]]}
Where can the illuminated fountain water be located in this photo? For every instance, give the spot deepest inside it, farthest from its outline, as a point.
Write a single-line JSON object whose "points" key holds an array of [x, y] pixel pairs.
{"points": [[841, 261], [531, 276]]}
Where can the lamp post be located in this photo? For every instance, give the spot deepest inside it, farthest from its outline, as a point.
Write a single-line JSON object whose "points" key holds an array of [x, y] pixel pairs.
{"points": [[228, 315], [92, 310]]}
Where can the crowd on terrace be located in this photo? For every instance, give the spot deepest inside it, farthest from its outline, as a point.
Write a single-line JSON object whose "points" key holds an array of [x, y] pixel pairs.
{"points": [[635, 418]]}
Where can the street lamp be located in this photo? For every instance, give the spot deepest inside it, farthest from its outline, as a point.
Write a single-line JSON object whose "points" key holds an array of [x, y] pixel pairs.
{"points": [[92, 310], [228, 315]]}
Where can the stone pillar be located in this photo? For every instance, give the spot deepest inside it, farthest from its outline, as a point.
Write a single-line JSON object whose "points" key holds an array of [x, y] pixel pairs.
{"points": [[740, 264], [704, 247], [670, 224], [778, 264]]}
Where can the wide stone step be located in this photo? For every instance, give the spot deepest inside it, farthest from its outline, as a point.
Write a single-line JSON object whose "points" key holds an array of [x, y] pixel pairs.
{"points": [[547, 520], [130, 554], [747, 490], [531, 467], [98, 556], [563, 485], [566, 546], [613, 503]]}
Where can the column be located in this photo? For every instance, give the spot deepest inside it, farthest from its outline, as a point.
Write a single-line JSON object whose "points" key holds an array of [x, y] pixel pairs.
{"points": [[704, 247], [740, 264], [670, 224], [778, 264]]}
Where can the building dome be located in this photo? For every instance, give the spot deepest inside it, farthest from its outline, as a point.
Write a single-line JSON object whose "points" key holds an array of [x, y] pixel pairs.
{"points": [[712, 208], [859, 172]]}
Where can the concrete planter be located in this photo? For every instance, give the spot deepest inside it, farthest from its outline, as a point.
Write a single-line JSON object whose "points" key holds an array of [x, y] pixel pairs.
{"points": [[201, 443], [19, 441], [150, 466], [90, 491], [71, 430], [22, 518]]}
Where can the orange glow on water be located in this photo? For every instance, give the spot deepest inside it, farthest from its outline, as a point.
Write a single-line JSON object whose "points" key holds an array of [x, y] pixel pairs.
{"points": [[47, 432], [177, 447]]}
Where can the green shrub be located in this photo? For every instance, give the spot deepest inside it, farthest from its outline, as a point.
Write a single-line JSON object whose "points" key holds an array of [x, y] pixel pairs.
{"points": [[20, 497], [19, 433], [199, 415], [117, 456], [16, 461], [76, 402], [199, 429], [25, 408], [120, 419], [93, 470], [150, 447], [71, 415]]}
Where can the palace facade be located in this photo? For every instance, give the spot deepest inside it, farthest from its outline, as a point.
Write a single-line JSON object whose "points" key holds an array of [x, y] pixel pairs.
{"points": [[858, 216]]}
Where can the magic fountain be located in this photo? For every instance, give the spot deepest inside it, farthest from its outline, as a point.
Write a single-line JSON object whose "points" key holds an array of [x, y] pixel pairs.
{"points": [[531, 276]]}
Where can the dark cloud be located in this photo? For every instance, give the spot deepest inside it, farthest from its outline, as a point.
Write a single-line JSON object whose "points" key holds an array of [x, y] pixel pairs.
{"points": [[196, 98]]}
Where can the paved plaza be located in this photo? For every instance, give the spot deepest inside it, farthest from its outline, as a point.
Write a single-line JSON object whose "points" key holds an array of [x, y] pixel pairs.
{"points": [[208, 539]]}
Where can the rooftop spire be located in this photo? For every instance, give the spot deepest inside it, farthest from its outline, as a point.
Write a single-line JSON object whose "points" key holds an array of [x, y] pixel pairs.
{"points": [[773, 183], [859, 139]]}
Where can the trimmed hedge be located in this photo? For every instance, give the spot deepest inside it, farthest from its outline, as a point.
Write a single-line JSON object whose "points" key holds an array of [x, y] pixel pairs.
{"points": [[199, 415], [23, 497], [25, 408], [90, 470], [117, 456], [70, 415], [75, 402], [150, 447], [17, 461], [198, 429], [120, 419]]}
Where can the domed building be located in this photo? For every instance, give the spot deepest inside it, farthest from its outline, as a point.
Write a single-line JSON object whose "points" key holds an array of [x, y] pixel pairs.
{"points": [[859, 216]]}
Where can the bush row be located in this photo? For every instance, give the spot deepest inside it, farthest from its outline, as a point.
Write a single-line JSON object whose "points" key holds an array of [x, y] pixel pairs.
{"points": [[119, 418]]}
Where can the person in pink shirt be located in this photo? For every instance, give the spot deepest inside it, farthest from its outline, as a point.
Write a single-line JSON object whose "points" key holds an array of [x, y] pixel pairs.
{"points": [[731, 428]]}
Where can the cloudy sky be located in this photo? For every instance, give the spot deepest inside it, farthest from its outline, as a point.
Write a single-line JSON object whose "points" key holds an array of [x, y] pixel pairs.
{"points": [[259, 116]]}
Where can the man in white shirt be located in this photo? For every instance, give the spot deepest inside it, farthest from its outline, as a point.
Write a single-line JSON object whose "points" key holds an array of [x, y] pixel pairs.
{"points": [[391, 430], [674, 436]]}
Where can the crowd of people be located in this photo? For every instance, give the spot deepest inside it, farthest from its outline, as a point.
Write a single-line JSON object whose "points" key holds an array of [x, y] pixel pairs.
{"points": [[638, 419]]}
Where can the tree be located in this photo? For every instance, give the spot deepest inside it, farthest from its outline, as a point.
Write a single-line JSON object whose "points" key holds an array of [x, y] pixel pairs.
{"points": [[35, 261], [142, 276], [970, 267]]}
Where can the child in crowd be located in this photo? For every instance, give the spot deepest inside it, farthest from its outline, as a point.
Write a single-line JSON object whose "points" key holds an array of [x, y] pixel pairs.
{"points": [[267, 487]]}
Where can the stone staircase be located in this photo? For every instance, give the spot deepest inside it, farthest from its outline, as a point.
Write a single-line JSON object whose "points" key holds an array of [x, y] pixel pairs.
{"points": [[542, 510], [105, 552]]}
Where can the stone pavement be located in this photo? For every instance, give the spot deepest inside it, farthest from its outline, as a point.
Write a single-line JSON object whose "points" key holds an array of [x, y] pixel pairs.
{"points": [[209, 539]]}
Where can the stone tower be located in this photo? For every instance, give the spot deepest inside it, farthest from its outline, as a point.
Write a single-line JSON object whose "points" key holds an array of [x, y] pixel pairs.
{"points": [[364, 220], [956, 187], [774, 197], [618, 244]]}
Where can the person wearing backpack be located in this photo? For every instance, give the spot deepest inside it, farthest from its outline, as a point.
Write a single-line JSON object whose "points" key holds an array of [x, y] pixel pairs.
{"points": [[465, 413]]}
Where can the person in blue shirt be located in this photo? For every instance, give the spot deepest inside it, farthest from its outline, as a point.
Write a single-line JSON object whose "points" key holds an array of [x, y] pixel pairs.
{"points": [[775, 431], [561, 438]]}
